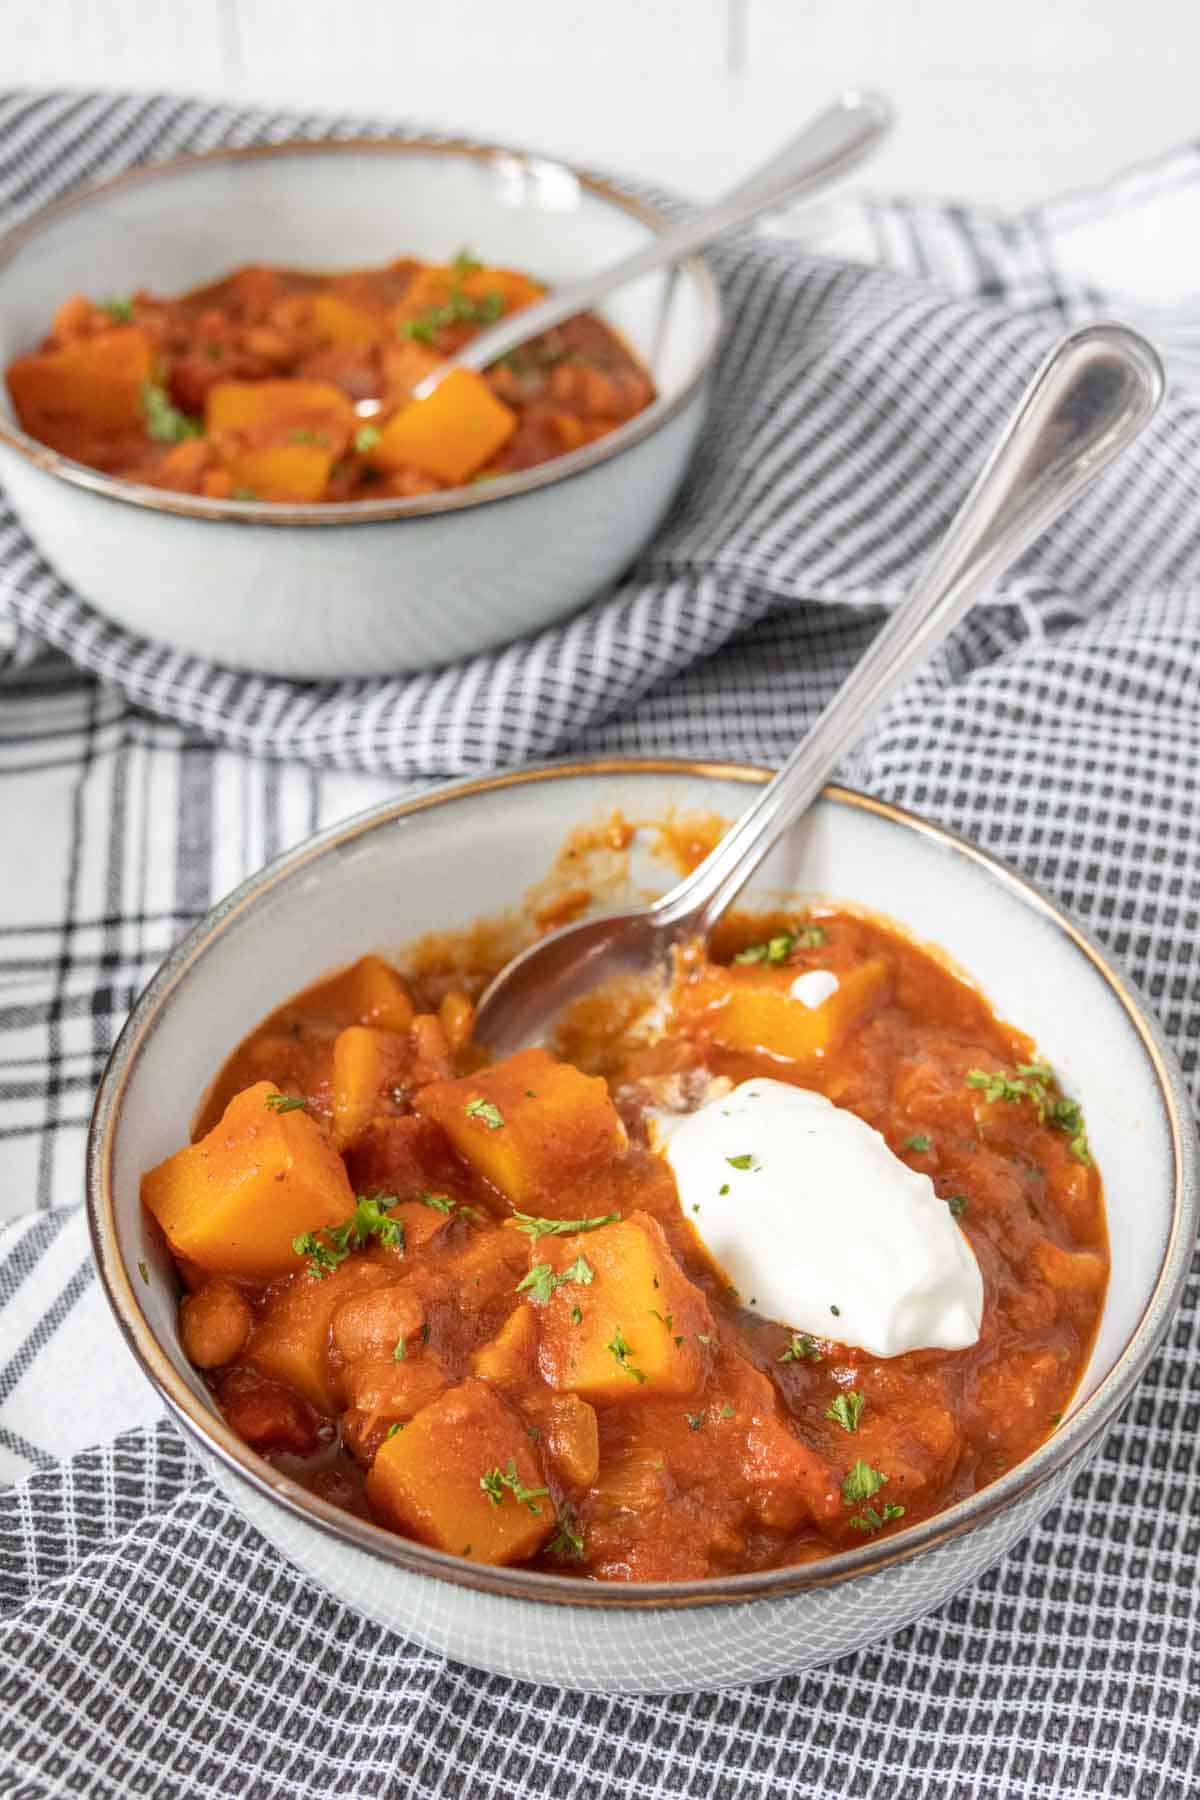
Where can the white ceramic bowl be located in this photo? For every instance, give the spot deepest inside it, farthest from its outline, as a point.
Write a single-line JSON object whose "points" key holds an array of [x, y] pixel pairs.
{"points": [[366, 587], [472, 849]]}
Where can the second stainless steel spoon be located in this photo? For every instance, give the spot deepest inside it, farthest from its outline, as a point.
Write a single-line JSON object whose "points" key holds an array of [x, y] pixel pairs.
{"points": [[835, 142], [1090, 398]]}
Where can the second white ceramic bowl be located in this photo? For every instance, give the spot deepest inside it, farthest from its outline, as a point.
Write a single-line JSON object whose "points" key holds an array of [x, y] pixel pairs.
{"points": [[440, 862], [370, 587]]}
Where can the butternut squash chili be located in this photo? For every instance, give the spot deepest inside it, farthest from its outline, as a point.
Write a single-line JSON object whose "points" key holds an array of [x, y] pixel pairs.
{"points": [[277, 384], [463, 1299]]}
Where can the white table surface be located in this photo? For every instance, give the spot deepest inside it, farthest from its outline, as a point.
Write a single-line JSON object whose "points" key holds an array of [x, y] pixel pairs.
{"points": [[1003, 104]]}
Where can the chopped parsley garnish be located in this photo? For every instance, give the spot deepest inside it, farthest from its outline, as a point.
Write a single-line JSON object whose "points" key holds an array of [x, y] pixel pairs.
{"points": [[541, 1280], [533, 1433], [465, 264], [957, 1204], [861, 1482], [144, 1272], [777, 949], [495, 1481], [695, 1420], [539, 1228], [723, 1189], [302, 435], [286, 1102], [846, 1410], [401, 1350], [871, 1521], [393, 1428], [164, 422], [836, 1311], [1056, 1418], [577, 1315], [567, 1540], [327, 1248], [459, 309], [487, 1111], [622, 1351], [440, 1202], [366, 438], [801, 1349], [727, 1411], [1034, 1082], [918, 1141], [243, 494], [745, 1161], [119, 310]]}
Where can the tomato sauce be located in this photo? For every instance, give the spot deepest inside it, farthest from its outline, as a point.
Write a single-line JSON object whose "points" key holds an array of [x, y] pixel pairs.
{"points": [[585, 1394], [289, 385]]}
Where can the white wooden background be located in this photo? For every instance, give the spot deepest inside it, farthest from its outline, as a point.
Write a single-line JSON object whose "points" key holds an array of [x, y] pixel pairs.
{"points": [[1003, 102]]}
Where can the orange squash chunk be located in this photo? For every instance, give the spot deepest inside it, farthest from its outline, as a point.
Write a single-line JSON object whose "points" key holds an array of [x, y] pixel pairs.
{"points": [[297, 472], [452, 433], [232, 1203], [367, 1065], [533, 1126], [88, 387], [369, 992], [753, 1009], [237, 405], [635, 1329], [428, 1480], [340, 322], [291, 1342]]}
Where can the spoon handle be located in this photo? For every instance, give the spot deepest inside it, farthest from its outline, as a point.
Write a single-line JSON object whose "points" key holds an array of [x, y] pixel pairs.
{"points": [[1089, 399], [830, 146]]}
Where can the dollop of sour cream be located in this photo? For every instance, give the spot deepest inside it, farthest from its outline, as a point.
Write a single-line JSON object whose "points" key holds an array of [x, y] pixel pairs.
{"points": [[820, 1225]]}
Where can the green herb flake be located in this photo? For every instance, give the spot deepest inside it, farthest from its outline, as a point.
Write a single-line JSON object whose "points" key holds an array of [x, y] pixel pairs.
{"points": [[495, 1481], [541, 1280], [802, 1348], [302, 435], [622, 1352], [164, 421], [243, 494], [464, 264], [281, 1103], [745, 1161], [486, 1111], [119, 309], [533, 1433], [366, 438], [144, 1272], [577, 1315], [439, 1202], [861, 1482], [727, 1411], [1034, 1082], [919, 1142], [957, 1204], [1056, 1418], [695, 1420], [777, 949], [401, 1350], [397, 1425], [723, 1189], [846, 1410], [324, 1250], [567, 1541], [870, 1521], [539, 1228]]}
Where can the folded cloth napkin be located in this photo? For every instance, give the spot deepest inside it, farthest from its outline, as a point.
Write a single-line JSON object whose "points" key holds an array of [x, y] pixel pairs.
{"points": [[151, 1642]]}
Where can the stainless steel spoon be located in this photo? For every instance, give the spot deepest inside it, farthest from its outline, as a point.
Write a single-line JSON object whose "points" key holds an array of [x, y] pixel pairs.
{"points": [[1090, 398], [835, 142]]}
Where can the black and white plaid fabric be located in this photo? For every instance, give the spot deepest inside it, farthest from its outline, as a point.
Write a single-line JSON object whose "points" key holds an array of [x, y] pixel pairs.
{"points": [[151, 1643]]}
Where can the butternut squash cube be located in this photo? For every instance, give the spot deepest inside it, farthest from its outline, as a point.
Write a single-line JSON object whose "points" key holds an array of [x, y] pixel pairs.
{"points": [[753, 1009], [533, 1126], [298, 472], [237, 405], [292, 1340], [232, 1203], [92, 385], [341, 322], [442, 1479], [636, 1328], [369, 992], [451, 433], [367, 1065]]}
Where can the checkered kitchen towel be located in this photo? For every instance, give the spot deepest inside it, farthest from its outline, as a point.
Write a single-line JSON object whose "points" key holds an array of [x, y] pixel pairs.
{"points": [[151, 1643]]}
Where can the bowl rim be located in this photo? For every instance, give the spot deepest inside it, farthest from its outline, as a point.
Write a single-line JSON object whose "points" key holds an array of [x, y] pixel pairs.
{"points": [[367, 512], [1070, 1440]]}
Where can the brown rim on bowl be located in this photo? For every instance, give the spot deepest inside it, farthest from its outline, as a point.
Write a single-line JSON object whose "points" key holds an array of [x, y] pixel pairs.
{"points": [[206, 1425], [363, 512]]}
